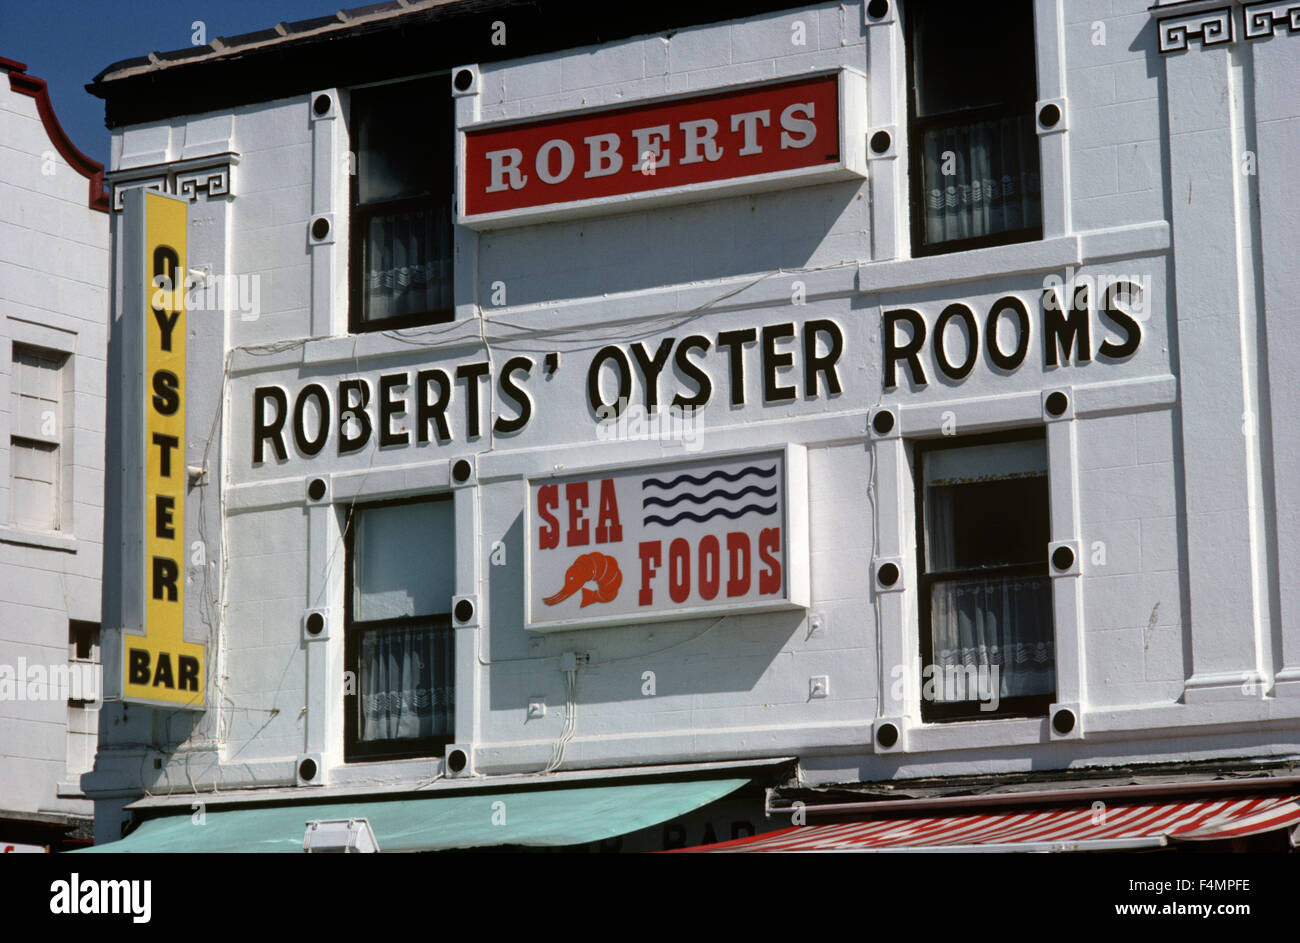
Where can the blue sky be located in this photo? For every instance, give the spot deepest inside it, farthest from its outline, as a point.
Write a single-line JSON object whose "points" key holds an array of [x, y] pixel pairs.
{"points": [[67, 42]]}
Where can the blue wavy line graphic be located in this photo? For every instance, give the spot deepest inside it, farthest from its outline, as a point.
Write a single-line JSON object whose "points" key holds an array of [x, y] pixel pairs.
{"points": [[725, 476], [716, 512], [702, 499]]}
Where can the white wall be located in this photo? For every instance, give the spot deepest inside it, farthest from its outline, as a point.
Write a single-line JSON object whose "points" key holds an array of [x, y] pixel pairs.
{"points": [[1127, 623], [53, 294]]}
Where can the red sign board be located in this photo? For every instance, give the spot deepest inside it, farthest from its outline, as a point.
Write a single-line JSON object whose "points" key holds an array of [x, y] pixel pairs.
{"points": [[610, 156]]}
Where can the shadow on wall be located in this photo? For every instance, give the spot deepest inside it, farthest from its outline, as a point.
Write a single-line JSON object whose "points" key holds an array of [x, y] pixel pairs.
{"points": [[667, 246], [705, 655]]}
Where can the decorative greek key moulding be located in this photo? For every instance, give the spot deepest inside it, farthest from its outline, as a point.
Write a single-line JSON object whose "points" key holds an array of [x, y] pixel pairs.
{"points": [[1265, 19], [211, 176], [1211, 27], [1215, 24]]}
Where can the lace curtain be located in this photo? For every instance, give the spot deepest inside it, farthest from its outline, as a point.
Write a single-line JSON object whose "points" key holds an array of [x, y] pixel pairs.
{"points": [[408, 683], [1002, 623], [980, 623], [408, 265], [980, 179], [403, 580]]}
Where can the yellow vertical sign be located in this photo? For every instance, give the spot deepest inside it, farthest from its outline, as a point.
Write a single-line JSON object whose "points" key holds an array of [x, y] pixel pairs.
{"points": [[162, 666]]}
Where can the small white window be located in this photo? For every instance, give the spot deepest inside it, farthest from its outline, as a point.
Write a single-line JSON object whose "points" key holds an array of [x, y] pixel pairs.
{"points": [[36, 438]]}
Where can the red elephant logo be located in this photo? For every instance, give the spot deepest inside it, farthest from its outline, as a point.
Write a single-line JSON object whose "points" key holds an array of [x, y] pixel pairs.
{"points": [[600, 568]]}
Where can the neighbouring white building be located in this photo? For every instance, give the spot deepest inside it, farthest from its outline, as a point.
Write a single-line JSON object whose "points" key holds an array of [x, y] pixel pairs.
{"points": [[686, 421], [54, 265]]}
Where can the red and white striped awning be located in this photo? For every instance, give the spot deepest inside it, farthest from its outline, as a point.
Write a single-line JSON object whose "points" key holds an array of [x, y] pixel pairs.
{"points": [[1095, 827]]}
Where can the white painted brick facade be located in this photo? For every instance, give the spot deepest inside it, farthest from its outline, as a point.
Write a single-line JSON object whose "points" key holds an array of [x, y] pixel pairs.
{"points": [[1152, 461], [54, 265]]}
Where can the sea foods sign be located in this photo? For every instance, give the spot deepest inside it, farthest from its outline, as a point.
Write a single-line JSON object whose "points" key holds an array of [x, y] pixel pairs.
{"points": [[666, 150], [668, 542]]}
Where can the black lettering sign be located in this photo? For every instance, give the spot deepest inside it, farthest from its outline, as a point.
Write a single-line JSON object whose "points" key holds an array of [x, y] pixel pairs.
{"points": [[906, 353], [272, 429], [615, 356], [471, 373], [138, 666], [432, 410], [516, 393], [823, 365], [1016, 357], [350, 410], [388, 408], [774, 361], [166, 392], [312, 391], [1064, 332], [165, 574]]}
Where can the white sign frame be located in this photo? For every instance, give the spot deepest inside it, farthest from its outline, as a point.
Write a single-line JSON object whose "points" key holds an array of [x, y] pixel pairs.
{"points": [[794, 461], [852, 163]]}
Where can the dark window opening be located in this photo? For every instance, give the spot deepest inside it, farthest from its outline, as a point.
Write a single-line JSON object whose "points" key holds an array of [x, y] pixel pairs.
{"points": [[983, 526], [401, 241], [974, 153], [83, 638]]}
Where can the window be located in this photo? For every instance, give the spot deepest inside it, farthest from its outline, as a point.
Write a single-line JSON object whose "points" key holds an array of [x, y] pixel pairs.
{"points": [[36, 437], [974, 148], [83, 695], [985, 595], [400, 644], [401, 205]]}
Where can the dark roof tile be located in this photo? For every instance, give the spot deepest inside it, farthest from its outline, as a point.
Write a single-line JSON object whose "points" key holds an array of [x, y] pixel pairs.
{"points": [[353, 13], [176, 55], [243, 39], [316, 22]]}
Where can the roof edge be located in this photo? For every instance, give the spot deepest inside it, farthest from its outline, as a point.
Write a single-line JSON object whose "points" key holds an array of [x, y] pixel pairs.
{"points": [[383, 43], [92, 170], [225, 47]]}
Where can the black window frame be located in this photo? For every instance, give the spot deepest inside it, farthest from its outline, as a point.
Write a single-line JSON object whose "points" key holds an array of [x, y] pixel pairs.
{"points": [[916, 128], [360, 214], [1036, 705], [354, 748]]}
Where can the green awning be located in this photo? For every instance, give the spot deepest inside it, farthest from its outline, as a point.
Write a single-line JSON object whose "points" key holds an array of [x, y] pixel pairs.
{"points": [[543, 818]]}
